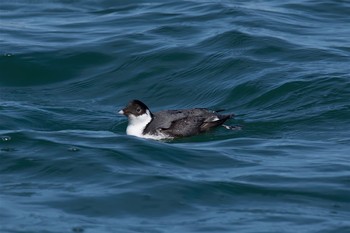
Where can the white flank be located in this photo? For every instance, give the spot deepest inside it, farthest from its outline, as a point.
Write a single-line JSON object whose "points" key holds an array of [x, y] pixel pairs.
{"points": [[215, 118], [212, 119]]}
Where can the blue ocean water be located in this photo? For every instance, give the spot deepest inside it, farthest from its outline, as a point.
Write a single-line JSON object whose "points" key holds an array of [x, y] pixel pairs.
{"points": [[67, 165]]}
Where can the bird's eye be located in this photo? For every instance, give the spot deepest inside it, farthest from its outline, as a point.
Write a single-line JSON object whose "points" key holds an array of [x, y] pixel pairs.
{"points": [[138, 110]]}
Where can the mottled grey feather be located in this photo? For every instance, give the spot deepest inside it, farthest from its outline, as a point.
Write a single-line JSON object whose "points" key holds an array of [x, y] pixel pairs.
{"points": [[181, 123]]}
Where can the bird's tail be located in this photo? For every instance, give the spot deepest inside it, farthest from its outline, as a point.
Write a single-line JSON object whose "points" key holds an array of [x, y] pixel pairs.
{"points": [[230, 127], [220, 119]]}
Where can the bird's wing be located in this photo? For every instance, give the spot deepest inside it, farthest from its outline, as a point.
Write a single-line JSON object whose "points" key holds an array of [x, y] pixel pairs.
{"points": [[183, 127], [164, 119], [193, 125], [184, 122]]}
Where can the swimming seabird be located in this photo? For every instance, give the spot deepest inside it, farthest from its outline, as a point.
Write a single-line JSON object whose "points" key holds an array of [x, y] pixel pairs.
{"points": [[170, 124]]}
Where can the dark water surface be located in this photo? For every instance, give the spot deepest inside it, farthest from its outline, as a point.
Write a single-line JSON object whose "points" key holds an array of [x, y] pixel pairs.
{"points": [[66, 164]]}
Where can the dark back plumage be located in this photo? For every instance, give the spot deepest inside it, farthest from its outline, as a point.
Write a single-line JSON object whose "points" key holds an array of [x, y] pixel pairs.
{"points": [[183, 123]]}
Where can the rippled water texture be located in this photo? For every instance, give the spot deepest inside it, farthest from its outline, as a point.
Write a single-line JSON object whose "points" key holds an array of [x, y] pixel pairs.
{"points": [[66, 164]]}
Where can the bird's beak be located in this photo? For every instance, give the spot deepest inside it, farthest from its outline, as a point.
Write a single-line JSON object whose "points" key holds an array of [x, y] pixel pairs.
{"points": [[121, 112]]}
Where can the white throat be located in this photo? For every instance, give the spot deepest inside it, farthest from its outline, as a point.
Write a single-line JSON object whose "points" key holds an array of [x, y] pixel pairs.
{"points": [[137, 124]]}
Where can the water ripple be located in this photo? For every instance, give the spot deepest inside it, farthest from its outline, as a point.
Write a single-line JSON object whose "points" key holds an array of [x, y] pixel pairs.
{"points": [[281, 67]]}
